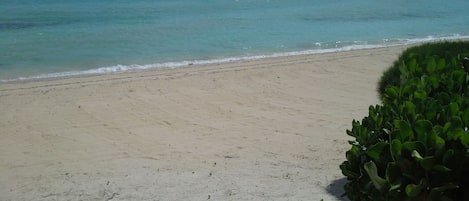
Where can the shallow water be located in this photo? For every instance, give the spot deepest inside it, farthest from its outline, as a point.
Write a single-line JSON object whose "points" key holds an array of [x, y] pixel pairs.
{"points": [[52, 38]]}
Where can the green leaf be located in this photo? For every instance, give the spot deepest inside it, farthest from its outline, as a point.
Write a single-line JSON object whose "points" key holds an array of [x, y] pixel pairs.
{"points": [[377, 150], [405, 131], [449, 157], [423, 129], [353, 153], [436, 141], [437, 192], [453, 109], [413, 190], [391, 92], [441, 168], [347, 170], [393, 173], [350, 174], [458, 77], [431, 108], [410, 108], [372, 171], [456, 134], [396, 149], [412, 146], [410, 176], [412, 66], [352, 132], [465, 139], [407, 90], [416, 155], [420, 94], [428, 163], [444, 97], [465, 117], [431, 65], [441, 64], [452, 127], [446, 128], [403, 70], [445, 187], [434, 81]]}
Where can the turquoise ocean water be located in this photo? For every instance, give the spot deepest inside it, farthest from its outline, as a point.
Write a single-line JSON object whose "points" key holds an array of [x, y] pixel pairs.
{"points": [[56, 38]]}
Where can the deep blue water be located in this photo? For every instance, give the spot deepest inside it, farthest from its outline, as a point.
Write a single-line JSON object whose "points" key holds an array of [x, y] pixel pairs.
{"points": [[63, 37]]}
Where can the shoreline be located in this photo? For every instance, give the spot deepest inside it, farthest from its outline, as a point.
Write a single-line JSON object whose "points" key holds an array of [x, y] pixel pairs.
{"points": [[242, 63], [268, 129], [118, 69]]}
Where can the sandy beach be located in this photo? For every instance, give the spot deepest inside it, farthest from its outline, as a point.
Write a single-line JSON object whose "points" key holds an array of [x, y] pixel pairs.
{"points": [[269, 129]]}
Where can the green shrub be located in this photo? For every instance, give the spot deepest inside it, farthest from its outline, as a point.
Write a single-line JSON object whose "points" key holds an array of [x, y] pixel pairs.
{"points": [[390, 77], [451, 52], [416, 145]]}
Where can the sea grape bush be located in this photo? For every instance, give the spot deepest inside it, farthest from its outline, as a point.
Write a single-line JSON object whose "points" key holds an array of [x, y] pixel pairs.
{"points": [[412, 60], [415, 146]]}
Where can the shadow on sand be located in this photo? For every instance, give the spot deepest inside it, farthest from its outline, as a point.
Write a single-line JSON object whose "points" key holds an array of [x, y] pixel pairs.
{"points": [[336, 188]]}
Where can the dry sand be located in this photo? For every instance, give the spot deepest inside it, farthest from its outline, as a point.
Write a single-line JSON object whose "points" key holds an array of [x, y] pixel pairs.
{"points": [[270, 129]]}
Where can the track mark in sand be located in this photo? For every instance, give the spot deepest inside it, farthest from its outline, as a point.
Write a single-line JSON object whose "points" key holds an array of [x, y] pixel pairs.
{"points": [[149, 158], [51, 195], [112, 196]]}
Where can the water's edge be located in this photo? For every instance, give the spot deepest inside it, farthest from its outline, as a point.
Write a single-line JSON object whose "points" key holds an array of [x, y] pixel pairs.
{"points": [[170, 65]]}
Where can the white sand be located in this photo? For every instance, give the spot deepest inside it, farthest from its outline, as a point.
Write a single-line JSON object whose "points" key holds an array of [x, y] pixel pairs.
{"points": [[271, 129]]}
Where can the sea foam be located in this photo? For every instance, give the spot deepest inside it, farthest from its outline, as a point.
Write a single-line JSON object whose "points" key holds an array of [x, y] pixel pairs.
{"points": [[323, 48]]}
